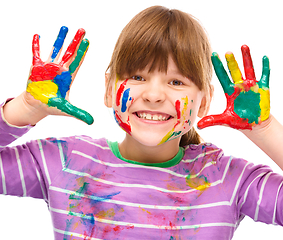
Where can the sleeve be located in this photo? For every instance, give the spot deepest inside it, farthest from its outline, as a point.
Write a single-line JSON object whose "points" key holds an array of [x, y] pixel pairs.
{"points": [[27, 170], [254, 190]]}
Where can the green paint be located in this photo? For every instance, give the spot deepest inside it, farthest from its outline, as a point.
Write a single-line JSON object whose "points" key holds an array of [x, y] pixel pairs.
{"points": [[80, 53], [63, 105], [222, 75], [246, 106], [264, 81]]}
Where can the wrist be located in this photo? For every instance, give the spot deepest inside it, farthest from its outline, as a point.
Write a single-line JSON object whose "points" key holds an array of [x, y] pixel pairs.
{"points": [[19, 113]]}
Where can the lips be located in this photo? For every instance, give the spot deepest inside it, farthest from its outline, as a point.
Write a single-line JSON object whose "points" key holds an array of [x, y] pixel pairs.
{"points": [[153, 116]]}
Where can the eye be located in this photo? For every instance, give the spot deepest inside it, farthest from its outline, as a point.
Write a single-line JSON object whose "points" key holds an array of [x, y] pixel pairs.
{"points": [[138, 78], [176, 83]]}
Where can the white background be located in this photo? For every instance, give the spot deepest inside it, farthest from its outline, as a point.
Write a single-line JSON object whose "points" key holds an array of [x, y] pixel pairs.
{"points": [[230, 24]]}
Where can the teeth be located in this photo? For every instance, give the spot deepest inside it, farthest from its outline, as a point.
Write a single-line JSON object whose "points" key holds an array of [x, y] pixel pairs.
{"points": [[155, 117]]}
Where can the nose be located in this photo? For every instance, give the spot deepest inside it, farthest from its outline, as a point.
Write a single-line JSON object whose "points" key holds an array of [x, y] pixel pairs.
{"points": [[154, 92]]}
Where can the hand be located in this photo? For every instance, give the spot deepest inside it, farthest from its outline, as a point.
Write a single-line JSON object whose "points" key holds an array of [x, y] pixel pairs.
{"points": [[49, 82], [248, 100]]}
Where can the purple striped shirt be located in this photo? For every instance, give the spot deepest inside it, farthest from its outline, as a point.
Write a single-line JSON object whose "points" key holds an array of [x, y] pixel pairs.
{"points": [[93, 193]]}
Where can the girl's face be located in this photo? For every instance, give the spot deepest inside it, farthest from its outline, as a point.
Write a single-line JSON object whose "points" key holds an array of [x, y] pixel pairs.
{"points": [[156, 107]]}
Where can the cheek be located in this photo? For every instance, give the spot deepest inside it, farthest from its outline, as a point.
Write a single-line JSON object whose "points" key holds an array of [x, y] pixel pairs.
{"points": [[186, 109], [123, 98]]}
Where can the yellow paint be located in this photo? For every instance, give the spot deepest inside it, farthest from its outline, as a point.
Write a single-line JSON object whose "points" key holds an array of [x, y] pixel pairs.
{"points": [[185, 100], [167, 136], [145, 210], [198, 183], [264, 103], [110, 213], [43, 91], [234, 68]]}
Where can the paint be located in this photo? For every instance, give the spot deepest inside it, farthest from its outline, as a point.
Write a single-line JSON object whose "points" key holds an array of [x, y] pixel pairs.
{"points": [[234, 68], [59, 42], [125, 126], [125, 99], [43, 91], [246, 106], [248, 102], [63, 81], [63, 105], [120, 92], [48, 83], [80, 54], [72, 47]]}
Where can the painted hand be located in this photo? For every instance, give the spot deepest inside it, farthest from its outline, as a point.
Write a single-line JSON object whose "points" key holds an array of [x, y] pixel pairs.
{"points": [[248, 100], [49, 82]]}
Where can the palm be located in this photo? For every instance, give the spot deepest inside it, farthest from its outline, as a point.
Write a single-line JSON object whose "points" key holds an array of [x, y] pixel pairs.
{"points": [[49, 82], [248, 101]]}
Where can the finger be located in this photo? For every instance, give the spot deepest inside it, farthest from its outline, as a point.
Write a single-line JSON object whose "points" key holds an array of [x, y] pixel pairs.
{"points": [[264, 81], [66, 107], [80, 56], [35, 50], [211, 120], [248, 63], [73, 46], [57, 47], [234, 68], [222, 75]]}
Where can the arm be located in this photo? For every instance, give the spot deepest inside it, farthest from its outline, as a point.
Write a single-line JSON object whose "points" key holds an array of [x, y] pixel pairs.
{"points": [[49, 84], [268, 137], [248, 105]]}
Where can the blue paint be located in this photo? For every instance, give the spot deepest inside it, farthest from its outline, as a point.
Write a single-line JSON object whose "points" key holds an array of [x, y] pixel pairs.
{"points": [[59, 42], [63, 81], [125, 100]]}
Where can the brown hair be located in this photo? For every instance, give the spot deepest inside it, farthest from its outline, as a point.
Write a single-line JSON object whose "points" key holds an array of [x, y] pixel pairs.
{"points": [[154, 34]]}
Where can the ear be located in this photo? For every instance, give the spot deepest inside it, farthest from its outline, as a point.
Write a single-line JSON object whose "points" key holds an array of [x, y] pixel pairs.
{"points": [[108, 91], [205, 102]]}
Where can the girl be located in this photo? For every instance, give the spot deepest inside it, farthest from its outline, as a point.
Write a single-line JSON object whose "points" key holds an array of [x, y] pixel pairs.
{"points": [[161, 181]]}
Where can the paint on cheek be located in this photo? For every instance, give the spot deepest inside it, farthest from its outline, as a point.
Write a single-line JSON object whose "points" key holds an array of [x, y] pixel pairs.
{"points": [[171, 133], [120, 91], [177, 106], [125, 126], [125, 99]]}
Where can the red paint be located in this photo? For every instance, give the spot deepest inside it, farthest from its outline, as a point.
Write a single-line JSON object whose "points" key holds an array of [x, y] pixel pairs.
{"points": [[35, 50], [228, 117], [73, 46], [177, 106], [125, 126], [248, 63], [41, 71], [120, 91]]}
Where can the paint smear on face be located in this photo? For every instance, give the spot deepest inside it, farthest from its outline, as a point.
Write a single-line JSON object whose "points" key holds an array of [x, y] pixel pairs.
{"points": [[125, 126], [171, 133], [120, 92], [125, 99]]}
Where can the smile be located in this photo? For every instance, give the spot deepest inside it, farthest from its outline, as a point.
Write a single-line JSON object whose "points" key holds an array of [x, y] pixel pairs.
{"points": [[153, 117]]}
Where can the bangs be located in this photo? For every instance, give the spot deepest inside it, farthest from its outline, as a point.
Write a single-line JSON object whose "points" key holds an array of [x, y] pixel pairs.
{"points": [[157, 33]]}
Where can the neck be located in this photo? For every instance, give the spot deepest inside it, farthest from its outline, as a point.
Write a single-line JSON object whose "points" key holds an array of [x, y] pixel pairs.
{"points": [[135, 151]]}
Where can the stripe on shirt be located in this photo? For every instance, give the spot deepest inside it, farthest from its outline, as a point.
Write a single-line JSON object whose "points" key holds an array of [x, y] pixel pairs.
{"points": [[3, 176], [260, 195], [21, 172], [44, 162], [129, 165], [150, 226], [72, 234]]}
